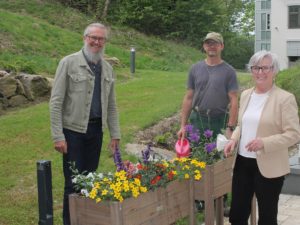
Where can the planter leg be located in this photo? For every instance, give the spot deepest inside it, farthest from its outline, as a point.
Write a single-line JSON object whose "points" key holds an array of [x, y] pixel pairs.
{"points": [[219, 211], [192, 214], [209, 212]]}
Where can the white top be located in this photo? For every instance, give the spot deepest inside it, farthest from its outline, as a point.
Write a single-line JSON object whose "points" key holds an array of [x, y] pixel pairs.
{"points": [[250, 122]]}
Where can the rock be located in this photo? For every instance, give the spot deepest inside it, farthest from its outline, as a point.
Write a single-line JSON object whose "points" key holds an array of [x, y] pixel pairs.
{"points": [[17, 100], [136, 149], [50, 82], [163, 134], [16, 90], [3, 73], [34, 85], [3, 103], [113, 61], [8, 86]]}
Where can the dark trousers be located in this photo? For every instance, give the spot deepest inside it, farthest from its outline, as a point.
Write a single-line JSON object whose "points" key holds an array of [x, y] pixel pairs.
{"points": [[246, 181], [213, 123], [84, 150]]}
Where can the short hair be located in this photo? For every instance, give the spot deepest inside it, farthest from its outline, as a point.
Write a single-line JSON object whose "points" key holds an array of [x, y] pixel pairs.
{"points": [[259, 56], [98, 25]]}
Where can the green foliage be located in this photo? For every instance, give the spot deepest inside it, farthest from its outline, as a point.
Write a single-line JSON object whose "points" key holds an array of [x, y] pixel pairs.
{"points": [[246, 23], [289, 80], [238, 50], [169, 18]]}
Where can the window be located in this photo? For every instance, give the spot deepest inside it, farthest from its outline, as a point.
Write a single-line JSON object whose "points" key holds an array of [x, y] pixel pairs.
{"points": [[265, 35], [265, 46], [294, 16], [265, 21], [265, 4]]}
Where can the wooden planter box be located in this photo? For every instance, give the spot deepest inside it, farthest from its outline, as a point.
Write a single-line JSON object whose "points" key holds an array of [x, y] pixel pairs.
{"points": [[215, 182], [160, 207]]}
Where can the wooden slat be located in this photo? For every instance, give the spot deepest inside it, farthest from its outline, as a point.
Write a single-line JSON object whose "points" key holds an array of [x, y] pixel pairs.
{"points": [[160, 207]]}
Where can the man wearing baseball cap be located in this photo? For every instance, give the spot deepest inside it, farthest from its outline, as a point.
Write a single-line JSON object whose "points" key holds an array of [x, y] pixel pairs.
{"points": [[215, 37], [211, 99]]}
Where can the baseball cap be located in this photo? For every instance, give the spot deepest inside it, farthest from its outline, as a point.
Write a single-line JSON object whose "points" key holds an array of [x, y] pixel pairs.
{"points": [[214, 36]]}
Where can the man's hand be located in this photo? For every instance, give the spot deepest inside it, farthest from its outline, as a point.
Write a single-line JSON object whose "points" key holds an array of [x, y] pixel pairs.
{"points": [[181, 133], [61, 146], [114, 143]]}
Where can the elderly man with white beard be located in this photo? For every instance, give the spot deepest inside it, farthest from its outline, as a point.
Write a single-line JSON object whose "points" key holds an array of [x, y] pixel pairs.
{"points": [[82, 104]]}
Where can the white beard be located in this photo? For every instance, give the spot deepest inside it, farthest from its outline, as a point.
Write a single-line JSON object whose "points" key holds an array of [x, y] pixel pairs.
{"points": [[93, 57]]}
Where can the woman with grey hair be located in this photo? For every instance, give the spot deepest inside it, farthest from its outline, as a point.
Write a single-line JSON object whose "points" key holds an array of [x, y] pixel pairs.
{"points": [[268, 124]]}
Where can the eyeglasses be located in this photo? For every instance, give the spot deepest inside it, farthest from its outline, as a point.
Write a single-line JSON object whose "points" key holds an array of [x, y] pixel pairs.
{"points": [[211, 43], [94, 38], [264, 69]]}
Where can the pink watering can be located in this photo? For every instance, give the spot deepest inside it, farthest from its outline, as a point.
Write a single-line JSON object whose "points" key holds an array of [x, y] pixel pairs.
{"points": [[182, 148]]}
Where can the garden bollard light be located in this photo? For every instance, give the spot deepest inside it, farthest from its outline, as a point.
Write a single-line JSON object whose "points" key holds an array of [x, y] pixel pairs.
{"points": [[132, 60], [44, 179]]}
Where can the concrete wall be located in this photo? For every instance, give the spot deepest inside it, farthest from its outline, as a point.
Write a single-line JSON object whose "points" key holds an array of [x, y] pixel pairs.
{"points": [[280, 34]]}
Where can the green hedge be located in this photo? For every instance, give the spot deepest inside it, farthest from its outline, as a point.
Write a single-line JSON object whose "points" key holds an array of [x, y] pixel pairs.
{"points": [[290, 80]]}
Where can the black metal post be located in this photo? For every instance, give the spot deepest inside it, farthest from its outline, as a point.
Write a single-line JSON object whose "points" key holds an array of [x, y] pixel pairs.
{"points": [[132, 60], [44, 179]]}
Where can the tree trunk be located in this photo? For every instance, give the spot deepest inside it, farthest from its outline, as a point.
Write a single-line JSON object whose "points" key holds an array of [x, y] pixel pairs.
{"points": [[105, 8]]}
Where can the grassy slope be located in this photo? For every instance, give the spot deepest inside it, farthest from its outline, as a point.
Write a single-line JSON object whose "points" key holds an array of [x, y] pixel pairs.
{"points": [[34, 36], [26, 138]]}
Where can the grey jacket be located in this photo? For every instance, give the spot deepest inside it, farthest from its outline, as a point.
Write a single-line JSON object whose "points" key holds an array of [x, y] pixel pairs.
{"points": [[72, 94]]}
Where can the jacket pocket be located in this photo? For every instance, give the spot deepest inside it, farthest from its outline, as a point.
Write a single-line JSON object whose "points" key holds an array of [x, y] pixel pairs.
{"points": [[78, 82], [107, 84]]}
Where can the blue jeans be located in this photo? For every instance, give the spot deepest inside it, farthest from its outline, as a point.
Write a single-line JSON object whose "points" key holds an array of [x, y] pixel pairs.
{"points": [[84, 150]]}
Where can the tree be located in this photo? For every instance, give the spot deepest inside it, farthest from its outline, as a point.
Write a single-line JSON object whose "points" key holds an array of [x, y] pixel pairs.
{"points": [[245, 21]]}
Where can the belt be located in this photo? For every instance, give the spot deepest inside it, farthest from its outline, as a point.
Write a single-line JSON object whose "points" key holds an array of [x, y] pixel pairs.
{"points": [[210, 113], [95, 120]]}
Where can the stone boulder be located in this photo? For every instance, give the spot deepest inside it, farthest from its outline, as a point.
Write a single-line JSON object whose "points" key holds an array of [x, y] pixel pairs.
{"points": [[9, 86], [19, 89], [136, 150], [113, 61], [34, 85]]}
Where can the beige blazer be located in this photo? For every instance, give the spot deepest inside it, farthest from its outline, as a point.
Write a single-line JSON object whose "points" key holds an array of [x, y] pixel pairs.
{"points": [[278, 127]]}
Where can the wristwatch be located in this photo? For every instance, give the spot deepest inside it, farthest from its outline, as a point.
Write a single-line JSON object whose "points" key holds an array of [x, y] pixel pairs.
{"points": [[231, 128]]}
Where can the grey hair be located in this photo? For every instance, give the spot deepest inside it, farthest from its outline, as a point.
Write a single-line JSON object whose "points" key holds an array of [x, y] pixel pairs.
{"points": [[259, 56], [87, 30]]}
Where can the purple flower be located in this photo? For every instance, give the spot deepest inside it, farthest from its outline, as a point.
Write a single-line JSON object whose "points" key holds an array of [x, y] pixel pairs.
{"points": [[192, 133], [209, 147], [118, 160], [208, 133], [189, 128], [194, 137]]}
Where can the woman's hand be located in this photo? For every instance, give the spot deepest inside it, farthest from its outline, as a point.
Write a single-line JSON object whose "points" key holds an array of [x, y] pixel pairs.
{"points": [[229, 148], [255, 145]]}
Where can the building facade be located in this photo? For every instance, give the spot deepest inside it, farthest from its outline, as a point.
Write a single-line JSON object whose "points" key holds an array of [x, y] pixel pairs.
{"points": [[277, 29]]}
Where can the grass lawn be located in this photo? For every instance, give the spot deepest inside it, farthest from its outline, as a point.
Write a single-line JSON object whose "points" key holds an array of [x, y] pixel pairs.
{"points": [[143, 99]]}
